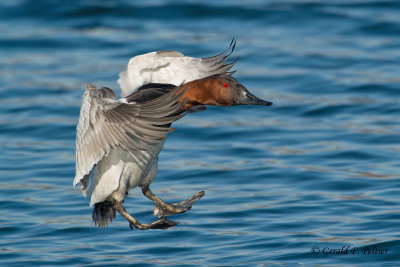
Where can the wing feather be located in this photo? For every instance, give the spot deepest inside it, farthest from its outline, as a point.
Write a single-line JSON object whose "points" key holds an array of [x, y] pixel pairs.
{"points": [[106, 124], [171, 67]]}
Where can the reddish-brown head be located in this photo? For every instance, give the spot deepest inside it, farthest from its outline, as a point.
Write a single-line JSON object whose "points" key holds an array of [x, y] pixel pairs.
{"points": [[219, 90]]}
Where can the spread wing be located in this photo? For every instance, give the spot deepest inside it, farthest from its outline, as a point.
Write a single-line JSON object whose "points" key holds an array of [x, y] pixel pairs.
{"points": [[105, 124], [171, 67]]}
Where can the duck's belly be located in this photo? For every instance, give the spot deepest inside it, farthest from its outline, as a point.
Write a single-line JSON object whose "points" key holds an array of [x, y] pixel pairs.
{"points": [[121, 171]]}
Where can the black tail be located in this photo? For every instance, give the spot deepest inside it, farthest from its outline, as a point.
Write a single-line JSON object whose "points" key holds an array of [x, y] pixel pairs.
{"points": [[103, 212]]}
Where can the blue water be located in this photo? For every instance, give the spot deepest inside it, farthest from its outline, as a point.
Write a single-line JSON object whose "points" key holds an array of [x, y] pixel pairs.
{"points": [[320, 168]]}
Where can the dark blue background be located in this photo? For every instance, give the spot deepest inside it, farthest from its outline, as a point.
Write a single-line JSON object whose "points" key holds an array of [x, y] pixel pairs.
{"points": [[318, 168]]}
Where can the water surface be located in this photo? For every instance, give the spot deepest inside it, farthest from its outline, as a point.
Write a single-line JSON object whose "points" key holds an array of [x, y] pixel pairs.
{"points": [[318, 169]]}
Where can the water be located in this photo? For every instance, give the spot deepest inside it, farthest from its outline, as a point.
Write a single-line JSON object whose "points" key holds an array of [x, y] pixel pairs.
{"points": [[320, 168]]}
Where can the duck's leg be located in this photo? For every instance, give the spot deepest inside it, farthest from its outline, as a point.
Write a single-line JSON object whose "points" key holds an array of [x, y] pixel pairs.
{"points": [[164, 209], [160, 224]]}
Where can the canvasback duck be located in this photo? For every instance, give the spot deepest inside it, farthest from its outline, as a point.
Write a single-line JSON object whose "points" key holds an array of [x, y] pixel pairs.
{"points": [[118, 140]]}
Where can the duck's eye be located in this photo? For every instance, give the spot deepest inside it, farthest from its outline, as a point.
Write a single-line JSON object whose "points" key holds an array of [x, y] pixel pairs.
{"points": [[225, 85]]}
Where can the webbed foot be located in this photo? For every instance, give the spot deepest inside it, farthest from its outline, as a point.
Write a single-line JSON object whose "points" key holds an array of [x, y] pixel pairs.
{"points": [[160, 224], [165, 209]]}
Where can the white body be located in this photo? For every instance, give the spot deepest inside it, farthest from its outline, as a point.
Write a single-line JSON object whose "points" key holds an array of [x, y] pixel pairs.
{"points": [[121, 171]]}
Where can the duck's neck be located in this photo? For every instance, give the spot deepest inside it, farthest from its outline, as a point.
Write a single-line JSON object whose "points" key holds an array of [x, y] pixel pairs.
{"points": [[204, 91]]}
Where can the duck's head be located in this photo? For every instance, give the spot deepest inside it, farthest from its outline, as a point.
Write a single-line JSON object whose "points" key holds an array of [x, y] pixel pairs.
{"points": [[220, 90]]}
